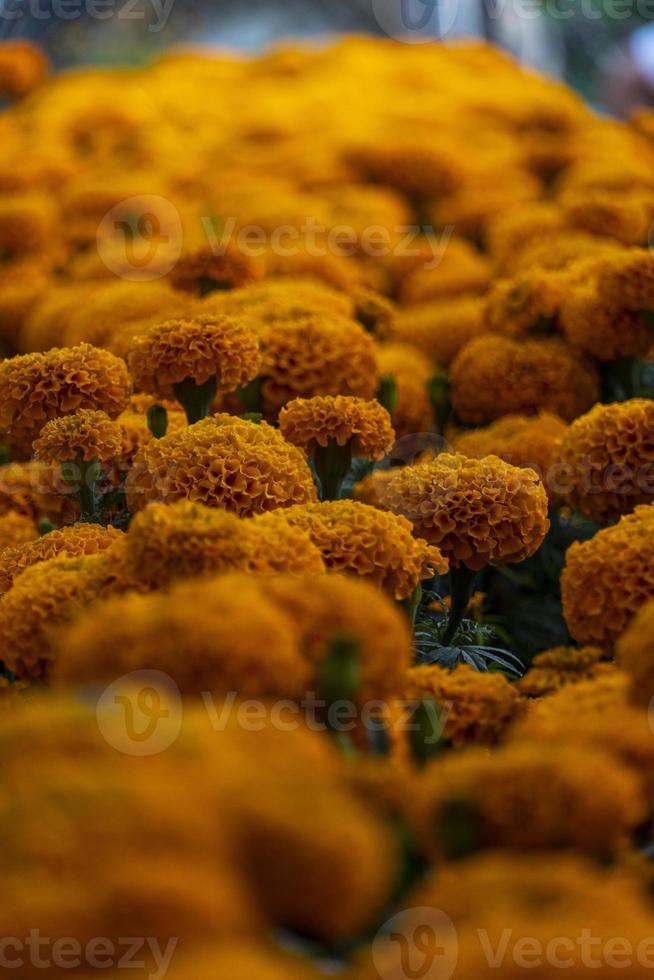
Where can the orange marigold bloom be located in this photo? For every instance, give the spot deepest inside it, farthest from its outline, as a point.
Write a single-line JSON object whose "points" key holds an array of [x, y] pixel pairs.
{"points": [[23, 66], [625, 217], [91, 433], [180, 540], [476, 708], [222, 461], [203, 268], [327, 607], [35, 489], [525, 799], [509, 232], [16, 529], [441, 328], [606, 459], [522, 440], [26, 223], [313, 355], [198, 348], [635, 654], [115, 305], [373, 311], [35, 388], [279, 299], [42, 597], [627, 280], [364, 425], [204, 634], [370, 490], [602, 328], [72, 541], [554, 669], [524, 304], [607, 579], [411, 369], [461, 269], [476, 511], [369, 543], [494, 376]]}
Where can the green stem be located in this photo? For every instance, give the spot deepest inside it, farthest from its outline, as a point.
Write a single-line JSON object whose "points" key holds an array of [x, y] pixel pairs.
{"points": [[462, 581], [83, 476], [387, 393], [250, 397], [157, 417], [333, 463], [412, 604], [195, 399]]}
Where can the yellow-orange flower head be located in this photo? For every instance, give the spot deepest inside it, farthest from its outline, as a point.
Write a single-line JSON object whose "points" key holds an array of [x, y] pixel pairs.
{"points": [[556, 668], [202, 269], [205, 635], [89, 433], [411, 370], [477, 511], [607, 579], [364, 425], [36, 490], [72, 541], [16, 529], [23, 66], [494, 376], [222, 461], [627, 280], [441, 328], [180, 540], [360, 540], [606, 459], [604, 329], [35, 388], [635, 655], [199, 348], [526, 304]]}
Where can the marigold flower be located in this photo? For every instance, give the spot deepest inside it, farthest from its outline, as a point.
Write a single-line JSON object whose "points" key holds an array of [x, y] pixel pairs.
{"points": [[23, 66], [202, 269], [525, 799], [607, 579], [363, 541], [554, 669], [607, 459], [635, 654], [521, 440], [42, 597], [477, 512], [316, 355], [279, 299], [494, 376], [200, 348], [627, 280], [373, 311], [36, 490], [241, 962], [411, 370], [115, 305], [603, 329], [222, 461], [625, 217], [72, 541], [507, 233], [476, 708], [525, 304], [180, 540], [461, 270], [370, 490], [203, 634], [35, 388], [441, 328], [15, 529], [26, 221], [312, 422], [87, 433]]}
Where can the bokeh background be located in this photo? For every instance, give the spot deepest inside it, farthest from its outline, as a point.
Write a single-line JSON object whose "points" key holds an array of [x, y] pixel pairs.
{"points": [[605, 48]]}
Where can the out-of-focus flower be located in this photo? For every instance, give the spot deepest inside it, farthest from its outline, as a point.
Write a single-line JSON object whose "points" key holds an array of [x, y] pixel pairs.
{"points": [[625, 217], [526, 304], [222, 461], [627, 280], [461, 269], [476, 511], [606, 459], [35, 388], [608, 578], [87, 434], [560, 666], [202, 269], [181, 540], [114, 306], [72, 541], [363, 541], [35, 489], [474, 708], [16, 529], [411, 370], [494, 376], [441, 328], [26, 221], [364, 426], [510, 231], [524, 799], [373, 311], [600, 327], [635, 654], [23, 66]]}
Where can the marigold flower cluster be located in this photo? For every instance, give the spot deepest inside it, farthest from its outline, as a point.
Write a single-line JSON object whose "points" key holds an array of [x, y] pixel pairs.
{"points": [[71, 541], [363, 425], [87, 434]]}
